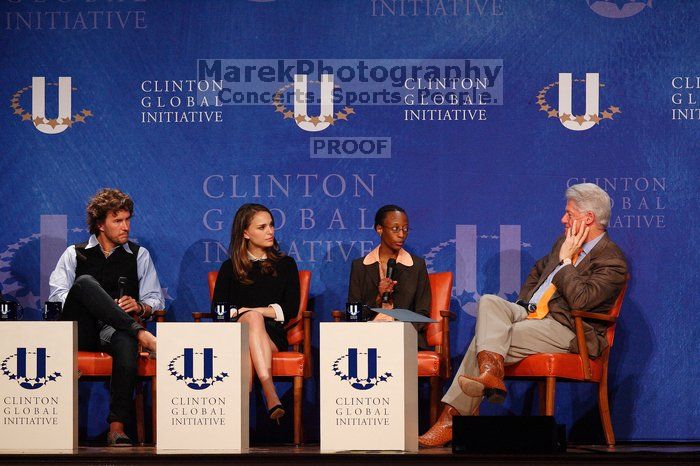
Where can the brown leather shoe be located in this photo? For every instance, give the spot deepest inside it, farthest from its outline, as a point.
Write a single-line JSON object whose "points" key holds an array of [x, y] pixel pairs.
{"points": [[490, 381], [441, 432]]}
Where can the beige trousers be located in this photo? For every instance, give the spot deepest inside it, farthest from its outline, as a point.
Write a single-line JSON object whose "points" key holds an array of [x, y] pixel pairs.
{"points": [[503, 327]]}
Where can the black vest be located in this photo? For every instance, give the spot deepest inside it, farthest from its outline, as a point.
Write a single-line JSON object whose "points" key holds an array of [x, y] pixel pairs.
{"points": [[107, 270]]}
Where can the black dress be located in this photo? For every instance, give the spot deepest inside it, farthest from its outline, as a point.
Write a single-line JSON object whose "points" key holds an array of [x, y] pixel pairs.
{"points": [[280, 288]]}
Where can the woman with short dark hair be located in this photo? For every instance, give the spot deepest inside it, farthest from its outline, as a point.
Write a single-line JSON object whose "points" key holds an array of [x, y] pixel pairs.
{"points": [[409, 288]]}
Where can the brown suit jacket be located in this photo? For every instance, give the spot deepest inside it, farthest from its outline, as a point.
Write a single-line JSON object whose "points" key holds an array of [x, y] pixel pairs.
{"points": [[593, 285], [412, 289]]}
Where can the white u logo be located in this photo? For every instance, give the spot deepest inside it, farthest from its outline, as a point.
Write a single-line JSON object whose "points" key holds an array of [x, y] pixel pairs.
{"points": [[565, 98], [300, 90], [466, 261], [60, 123]]}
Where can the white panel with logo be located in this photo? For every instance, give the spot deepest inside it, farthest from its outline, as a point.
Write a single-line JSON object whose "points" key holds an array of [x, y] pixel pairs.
{"points": [[369, 386], [38, 386], [203, 376]]}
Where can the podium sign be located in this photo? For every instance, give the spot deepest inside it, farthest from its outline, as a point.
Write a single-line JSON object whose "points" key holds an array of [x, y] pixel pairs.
{"points": [[38, 386], [203, 373], [369, 386]]}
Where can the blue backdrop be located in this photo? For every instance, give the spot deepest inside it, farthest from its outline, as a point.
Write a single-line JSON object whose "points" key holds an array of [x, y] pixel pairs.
{"points": [[482, 178]]}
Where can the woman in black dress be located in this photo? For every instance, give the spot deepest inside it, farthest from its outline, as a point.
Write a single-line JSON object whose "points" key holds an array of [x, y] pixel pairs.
{"points": [[261, 285]]}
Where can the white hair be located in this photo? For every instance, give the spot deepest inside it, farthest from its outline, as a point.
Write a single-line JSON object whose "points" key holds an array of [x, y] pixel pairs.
{"points": [[591, 197]]}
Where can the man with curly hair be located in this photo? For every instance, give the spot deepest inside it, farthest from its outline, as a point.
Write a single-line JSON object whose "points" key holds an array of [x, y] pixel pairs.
{"points": [[102, 283]]}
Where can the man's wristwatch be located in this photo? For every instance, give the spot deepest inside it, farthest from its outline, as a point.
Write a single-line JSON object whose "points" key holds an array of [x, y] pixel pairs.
{"points": [[566, 261], [142, 308]]}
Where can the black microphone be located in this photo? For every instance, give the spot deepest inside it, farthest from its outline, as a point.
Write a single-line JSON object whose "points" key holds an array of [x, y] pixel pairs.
{"points": [[122, 286], [390, 267]]}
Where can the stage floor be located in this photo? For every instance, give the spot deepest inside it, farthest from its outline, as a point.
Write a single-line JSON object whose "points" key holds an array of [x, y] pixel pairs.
{"points": [[634, 453]]}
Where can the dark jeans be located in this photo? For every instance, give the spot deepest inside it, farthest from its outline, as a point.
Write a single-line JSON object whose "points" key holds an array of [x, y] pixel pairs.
{"points": [[95, 311]]}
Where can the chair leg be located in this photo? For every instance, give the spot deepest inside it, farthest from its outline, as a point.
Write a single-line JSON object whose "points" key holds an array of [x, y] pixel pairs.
{"points": [[298, 393], [435, 395], [154, 418], [549, 397], [604, 410], [542, 396], [138, 401]]}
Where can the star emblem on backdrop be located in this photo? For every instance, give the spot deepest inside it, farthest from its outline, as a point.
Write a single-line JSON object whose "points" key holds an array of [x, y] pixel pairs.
{"points": [[552, 112], [280, 107], [24, 115]]}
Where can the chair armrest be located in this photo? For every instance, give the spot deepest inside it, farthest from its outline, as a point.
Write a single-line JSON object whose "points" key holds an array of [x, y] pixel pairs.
{"points": [[582, 348], [292, 323], [337, 315], [157, 316], [581, 338], [198, 316], [445, 343], [595, 316], [296, 320]]}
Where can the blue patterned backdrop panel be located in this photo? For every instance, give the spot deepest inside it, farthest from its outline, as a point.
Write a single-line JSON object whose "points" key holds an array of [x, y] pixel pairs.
{"points": [[474, 115]]}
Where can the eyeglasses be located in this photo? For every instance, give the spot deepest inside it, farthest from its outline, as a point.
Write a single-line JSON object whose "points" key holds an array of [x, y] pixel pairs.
{"points": [[397, 229]]}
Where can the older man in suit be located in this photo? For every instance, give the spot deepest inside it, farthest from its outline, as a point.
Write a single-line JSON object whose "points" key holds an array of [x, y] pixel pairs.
{"points": [[584, 270]]}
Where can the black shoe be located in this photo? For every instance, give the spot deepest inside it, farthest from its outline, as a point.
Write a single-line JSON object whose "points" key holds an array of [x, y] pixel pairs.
{"points": [[118, 439], [276, 412]]}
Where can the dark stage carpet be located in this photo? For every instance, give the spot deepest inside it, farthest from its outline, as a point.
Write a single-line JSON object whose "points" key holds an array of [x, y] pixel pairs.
{"points": [[634, 453]]}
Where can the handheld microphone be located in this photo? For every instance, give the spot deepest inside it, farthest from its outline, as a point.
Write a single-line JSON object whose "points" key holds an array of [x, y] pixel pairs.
{"points": [[390, 268], [121, 283]]}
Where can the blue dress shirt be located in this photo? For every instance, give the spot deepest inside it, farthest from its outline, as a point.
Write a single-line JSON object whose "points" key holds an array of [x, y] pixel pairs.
{"points": [[63, 276]]}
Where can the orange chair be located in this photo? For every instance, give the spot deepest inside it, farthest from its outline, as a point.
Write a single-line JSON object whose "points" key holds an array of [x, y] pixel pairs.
{"points": [[434, 364], [96, 365], [295, 363], [574, 367]]}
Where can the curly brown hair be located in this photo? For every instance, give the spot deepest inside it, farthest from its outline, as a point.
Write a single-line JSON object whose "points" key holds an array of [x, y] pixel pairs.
{"points": [[105, 201]]}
